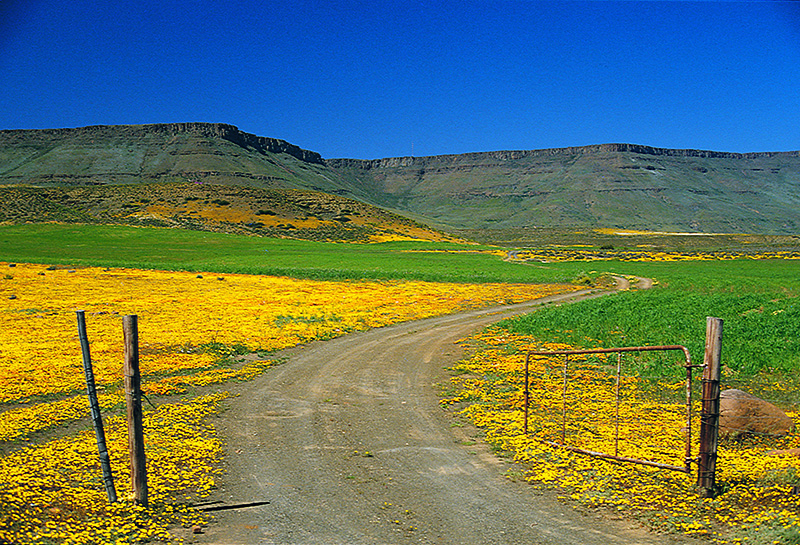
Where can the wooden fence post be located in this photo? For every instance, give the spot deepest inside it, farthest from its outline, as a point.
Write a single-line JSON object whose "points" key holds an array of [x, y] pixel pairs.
{"points": [[133, 399], [527, 390], [97, 419], [709, 417]]}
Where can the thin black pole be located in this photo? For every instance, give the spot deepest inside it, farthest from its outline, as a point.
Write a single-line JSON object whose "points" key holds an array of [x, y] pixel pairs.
{"points": [[97, 419]]}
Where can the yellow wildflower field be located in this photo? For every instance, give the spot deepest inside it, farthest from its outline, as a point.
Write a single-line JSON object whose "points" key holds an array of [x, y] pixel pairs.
{"points": [[757, 476], [180, 312], [552, 255], [53, 493], [50, 490]]}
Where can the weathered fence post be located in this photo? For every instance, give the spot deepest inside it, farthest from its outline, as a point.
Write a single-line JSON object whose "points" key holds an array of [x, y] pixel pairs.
{"points": [[97, 419], [564, 403], [527, 389], [133, 399], [709, 417], [616, 396]]}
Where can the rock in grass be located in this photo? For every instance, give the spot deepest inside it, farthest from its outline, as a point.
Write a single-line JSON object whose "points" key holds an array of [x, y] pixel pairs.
{"points": [[741, 413]]}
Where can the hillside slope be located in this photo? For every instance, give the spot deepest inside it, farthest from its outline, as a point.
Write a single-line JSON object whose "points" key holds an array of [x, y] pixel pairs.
{"points": [[610, 186], [187, 175], [604, 186], [278, 213], [120, 154]]}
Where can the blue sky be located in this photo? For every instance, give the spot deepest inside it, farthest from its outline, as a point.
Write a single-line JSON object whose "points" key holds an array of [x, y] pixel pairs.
{"points": [[382, 79]]}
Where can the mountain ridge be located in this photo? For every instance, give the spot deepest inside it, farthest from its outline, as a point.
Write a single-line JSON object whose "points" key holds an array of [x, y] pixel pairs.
{"points": [[263, 143], [616, 185], [222, 130], [550, 152]]}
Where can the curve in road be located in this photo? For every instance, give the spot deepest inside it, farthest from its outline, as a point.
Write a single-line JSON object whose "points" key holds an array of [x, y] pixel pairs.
{"points": [[348, 444]]}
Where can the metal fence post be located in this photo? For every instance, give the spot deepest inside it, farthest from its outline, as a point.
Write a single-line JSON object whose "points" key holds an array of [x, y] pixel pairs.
{"points": [[94, 405], [709, 417]]}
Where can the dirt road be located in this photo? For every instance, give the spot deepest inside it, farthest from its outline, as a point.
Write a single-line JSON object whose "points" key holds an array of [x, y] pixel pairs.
{"points": [[348, 444]]}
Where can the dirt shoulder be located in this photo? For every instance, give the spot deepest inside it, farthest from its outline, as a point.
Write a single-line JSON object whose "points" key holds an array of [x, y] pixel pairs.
{"points": [[348, 444]]}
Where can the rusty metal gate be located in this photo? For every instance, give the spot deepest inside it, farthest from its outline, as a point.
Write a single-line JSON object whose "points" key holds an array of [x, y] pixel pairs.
{"points": [[689, 367]]}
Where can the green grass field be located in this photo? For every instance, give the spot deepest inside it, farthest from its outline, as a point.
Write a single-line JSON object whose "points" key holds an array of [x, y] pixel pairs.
{"points": [[173, 249], [758, 299]]}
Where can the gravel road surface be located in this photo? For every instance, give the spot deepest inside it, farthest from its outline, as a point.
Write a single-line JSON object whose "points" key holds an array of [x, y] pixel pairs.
{"points": [[348, 444]]}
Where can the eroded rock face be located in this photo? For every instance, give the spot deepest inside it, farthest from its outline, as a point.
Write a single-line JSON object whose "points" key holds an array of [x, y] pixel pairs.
{"points": [[742, 413]]}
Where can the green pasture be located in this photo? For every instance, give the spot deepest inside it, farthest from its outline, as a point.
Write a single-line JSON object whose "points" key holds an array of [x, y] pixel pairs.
{"points": [[177, 249], [757, 299]]}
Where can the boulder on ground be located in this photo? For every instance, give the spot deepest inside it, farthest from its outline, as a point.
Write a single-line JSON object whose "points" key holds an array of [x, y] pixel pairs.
{"points": [[742, 413]]}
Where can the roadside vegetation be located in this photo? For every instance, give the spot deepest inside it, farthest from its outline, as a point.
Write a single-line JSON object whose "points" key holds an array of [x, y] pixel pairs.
{"points": [[195, 330], [758, 499], [757, 298], [252, 296]]}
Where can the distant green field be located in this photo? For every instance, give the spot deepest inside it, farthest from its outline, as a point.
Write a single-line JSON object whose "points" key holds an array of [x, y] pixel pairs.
{"points": [[174, 249], [759, 301]]}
